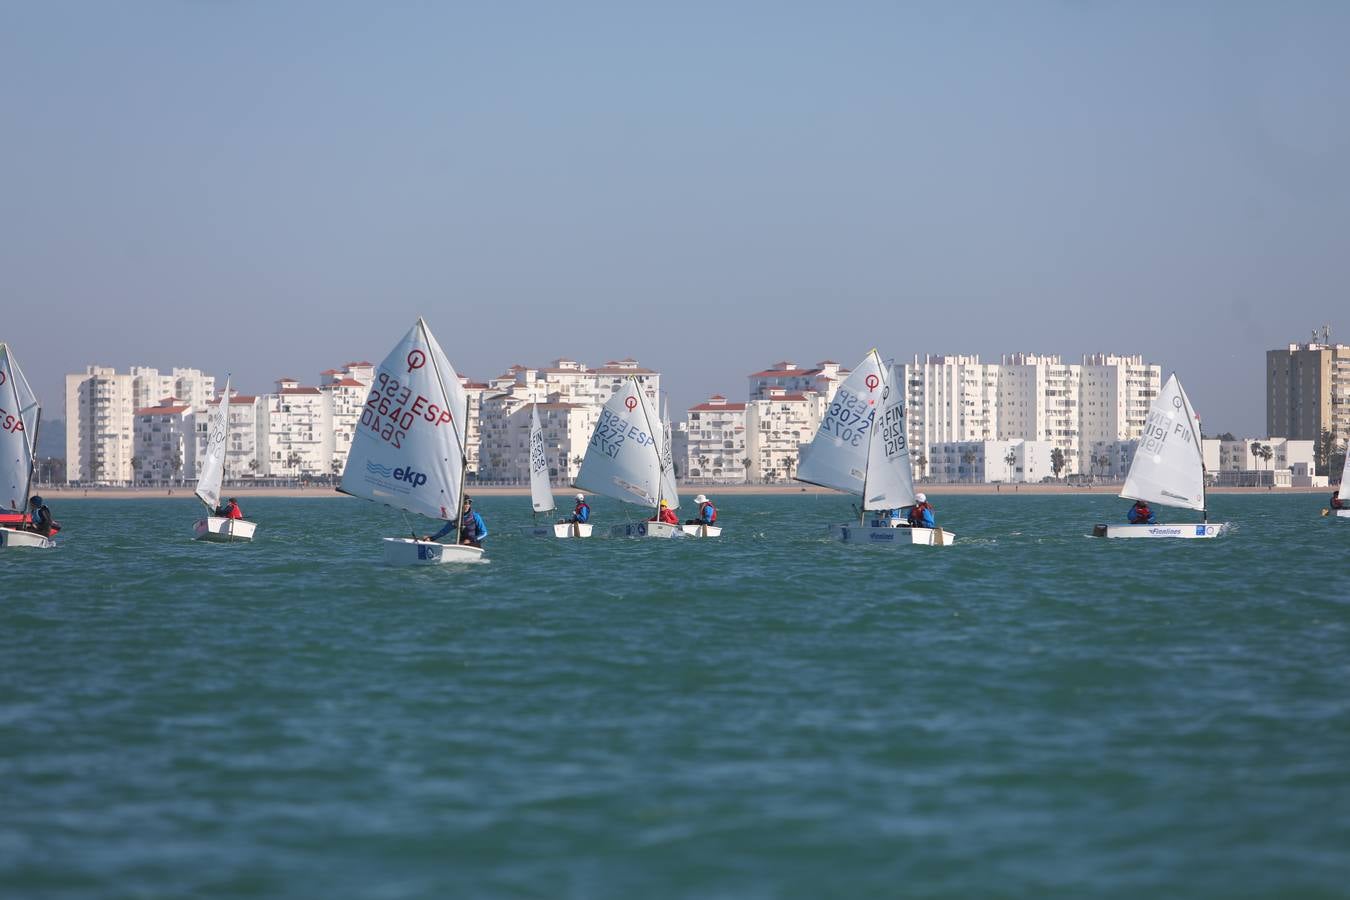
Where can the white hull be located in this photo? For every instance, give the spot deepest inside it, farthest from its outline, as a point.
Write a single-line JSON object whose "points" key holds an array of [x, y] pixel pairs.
{"points": [[1188, 530], [220, 530], [560, 530], [646, 530], [889, 534], [10, 537], [1341, 513], [408, 552], [702, 530]]}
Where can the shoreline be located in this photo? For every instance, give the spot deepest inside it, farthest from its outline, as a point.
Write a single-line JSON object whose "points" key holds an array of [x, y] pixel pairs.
{"points": [[55, 492]]}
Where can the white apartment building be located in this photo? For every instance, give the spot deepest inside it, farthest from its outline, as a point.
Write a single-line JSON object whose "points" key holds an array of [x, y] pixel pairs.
{"points": [[190, 387], [241, 445], [790, 378], [1242, 462], [1114, 394], [163, 443], [1108, 460], [99, 418], [1039, 401], [345, 391], [949, 399], [296, 437], [715, 441], [986, 462], [777, 424], [570, 393]]}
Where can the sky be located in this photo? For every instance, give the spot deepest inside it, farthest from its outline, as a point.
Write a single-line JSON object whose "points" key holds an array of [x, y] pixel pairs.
{"points": [[272, 189]]}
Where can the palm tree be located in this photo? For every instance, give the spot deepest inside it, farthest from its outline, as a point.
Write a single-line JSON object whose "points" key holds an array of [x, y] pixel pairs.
{"points": [[136, 463], [1057, 461], [1010, 459], [178, 463], [968, 460], [1266, 452], [922, 463]]}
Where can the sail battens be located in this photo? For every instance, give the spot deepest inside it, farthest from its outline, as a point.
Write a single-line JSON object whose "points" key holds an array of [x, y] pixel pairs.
{"points": [[211, 472]]}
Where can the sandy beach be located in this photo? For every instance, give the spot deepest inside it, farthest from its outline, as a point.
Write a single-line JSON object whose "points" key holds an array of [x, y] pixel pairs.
{"points": [[58, 492]]}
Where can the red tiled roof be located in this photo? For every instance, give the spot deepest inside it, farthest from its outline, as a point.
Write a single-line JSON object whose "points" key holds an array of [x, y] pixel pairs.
{"points": [[346, 382], [300, 390], [557, 405], [614, 369], [476, 385], [718, 407], [827, 362], [362, 363], [331, 372], [244, 398], [161, 410]]}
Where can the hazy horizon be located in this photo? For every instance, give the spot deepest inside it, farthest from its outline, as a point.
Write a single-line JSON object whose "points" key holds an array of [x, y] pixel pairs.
{"points": [[275, 190]]}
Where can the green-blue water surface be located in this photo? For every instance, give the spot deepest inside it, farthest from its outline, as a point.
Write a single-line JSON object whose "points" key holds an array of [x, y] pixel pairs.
{"points": [[1029, 713]]}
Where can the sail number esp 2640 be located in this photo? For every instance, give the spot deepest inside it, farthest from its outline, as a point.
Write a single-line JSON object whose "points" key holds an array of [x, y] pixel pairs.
{"points": [[392, 410]]}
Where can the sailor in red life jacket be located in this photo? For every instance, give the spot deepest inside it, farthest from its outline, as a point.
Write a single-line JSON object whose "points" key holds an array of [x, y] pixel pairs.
{"points": [[921, 513], [707, 513], [582, 513], [230, 509], [1336, 501], [1140, 514], [666, 515]]}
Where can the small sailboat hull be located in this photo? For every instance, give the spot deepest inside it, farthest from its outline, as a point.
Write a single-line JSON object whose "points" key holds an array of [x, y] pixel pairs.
{"points": [[572, 529], [220, 530], [11, 537], [899, 535], [1340, 513], [711, 531], [1188, 530], [408, 552], [646, 530]]}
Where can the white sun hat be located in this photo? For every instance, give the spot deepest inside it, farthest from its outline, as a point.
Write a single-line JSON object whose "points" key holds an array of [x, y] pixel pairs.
{"points": [[700, 499], [921, 498]]}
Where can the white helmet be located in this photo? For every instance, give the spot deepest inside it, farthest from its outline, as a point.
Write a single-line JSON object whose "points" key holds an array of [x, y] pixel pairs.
{"points": [[581, 496], [921, 498], [700, 499]]}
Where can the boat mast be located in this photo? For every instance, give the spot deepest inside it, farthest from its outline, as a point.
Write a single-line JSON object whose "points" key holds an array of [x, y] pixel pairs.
{"points": [[1191, 418], [660, 463], [463, 455], [29, 447]]}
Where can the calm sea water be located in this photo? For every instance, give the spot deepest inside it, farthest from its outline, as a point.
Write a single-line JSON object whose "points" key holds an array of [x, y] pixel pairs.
{"points": [[1029, 713]]}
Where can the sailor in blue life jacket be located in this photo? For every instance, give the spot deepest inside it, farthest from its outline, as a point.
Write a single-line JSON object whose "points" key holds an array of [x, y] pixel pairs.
{"points": [[582, 514], [921, 513], [707, 513], [40, 518], [475, 529], [1140, 514]]}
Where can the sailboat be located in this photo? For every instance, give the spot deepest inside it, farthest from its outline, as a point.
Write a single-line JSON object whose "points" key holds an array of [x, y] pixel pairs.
{"points": [[1167, 469], [541, 492], [624, 461], [860, 448], [20, 414], [668, 487], [408, 450], [1344, 511], [210, 475]]}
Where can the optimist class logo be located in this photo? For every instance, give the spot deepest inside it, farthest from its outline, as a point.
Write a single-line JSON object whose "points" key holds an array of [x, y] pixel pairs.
{"points": [[416, 360], [631, 403]]}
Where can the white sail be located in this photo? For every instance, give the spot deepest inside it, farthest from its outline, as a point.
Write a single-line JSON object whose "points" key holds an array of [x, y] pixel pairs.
{"points": [[889, 483], [19, 413], [408, 448], [1345, 474], [623, 459], [211, 469], [1168, 468], [541, 492], [837, 455], [669, 492]]}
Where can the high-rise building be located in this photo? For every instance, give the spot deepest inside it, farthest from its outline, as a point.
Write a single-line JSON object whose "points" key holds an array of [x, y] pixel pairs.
{"points": [[715, 447], [99, 421], [1308, 390]]}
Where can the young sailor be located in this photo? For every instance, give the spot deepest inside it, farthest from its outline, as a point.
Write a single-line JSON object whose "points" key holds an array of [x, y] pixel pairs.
{"points": [[40, 516], [230, 509], [707, 513], [921, 513], [1140, 514], [666, 515], [1336, 501], [475, 529], [582, 513]]}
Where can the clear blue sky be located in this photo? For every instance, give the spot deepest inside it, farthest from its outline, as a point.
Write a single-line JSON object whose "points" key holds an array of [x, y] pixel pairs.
{"points": [[273, 188]]}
